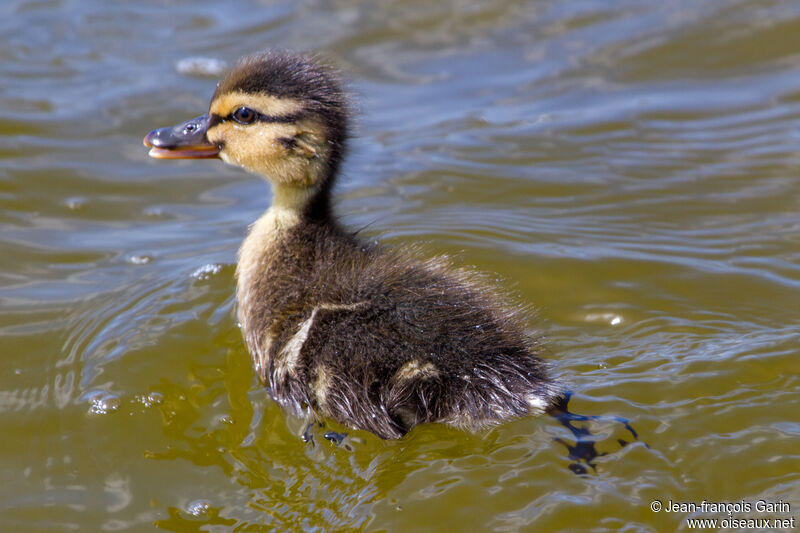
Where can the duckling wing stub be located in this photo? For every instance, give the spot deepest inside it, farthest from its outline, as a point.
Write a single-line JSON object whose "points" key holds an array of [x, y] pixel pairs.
{"points": [[387, 365]]}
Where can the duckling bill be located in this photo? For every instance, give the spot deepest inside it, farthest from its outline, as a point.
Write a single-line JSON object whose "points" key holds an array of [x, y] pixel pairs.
{"points": [[374, 338]]}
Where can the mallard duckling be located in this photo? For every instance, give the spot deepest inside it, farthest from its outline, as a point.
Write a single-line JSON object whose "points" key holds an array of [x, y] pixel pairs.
{"points": [[373, 338]]}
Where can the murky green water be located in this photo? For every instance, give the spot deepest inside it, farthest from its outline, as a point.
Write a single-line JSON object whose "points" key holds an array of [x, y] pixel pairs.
{"points": [[631, 168]]}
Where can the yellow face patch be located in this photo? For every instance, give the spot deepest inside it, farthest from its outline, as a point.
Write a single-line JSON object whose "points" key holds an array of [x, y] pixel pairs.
{"points": [[287, 153], [266, 104]]}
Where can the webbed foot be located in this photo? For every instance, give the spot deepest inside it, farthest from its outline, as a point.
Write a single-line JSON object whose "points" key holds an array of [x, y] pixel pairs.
{"points": [[584, 451]]}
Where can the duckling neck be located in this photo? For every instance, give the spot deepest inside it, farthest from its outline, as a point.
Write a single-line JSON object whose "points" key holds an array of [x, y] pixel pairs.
{"points": [[286, 211], [291, 207], [291, 200]]}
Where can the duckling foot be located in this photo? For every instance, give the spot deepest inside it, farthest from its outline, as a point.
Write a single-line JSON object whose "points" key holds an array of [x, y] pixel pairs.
{"points": [[335, 437], [307, 435], [584, 451]]}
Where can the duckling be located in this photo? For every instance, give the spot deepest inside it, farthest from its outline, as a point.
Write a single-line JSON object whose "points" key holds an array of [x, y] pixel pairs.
{"points": [[377, 339]]}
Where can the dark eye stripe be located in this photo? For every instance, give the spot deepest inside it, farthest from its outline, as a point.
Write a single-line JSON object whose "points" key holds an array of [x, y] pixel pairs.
{"points": [[285, 119], [260, 117]]}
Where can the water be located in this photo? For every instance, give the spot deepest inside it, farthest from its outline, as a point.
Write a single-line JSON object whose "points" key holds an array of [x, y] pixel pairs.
{"points": [[630, 168]]}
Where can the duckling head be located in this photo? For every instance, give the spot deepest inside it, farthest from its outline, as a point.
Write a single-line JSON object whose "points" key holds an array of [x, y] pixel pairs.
{"points": [[276, 114]]}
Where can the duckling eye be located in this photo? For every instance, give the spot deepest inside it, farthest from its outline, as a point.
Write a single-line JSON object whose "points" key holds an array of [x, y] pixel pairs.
{"points": [[244, 115]]}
